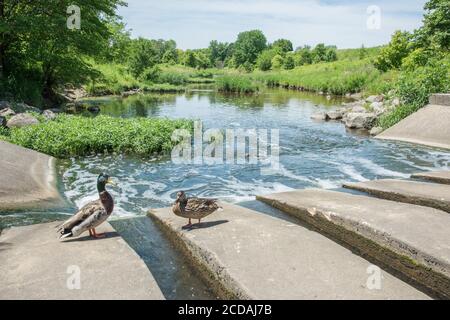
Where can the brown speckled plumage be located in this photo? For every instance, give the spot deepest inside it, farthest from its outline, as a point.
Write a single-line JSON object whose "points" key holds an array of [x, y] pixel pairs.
{"points": [[194, 208]]}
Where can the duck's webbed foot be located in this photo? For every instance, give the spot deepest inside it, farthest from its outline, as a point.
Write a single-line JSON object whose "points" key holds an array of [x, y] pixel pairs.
{"points": [[188, 226], [96, 235]]}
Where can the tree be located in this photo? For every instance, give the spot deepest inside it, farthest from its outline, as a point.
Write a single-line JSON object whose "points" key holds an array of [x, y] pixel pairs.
{"points": [[319, 53], [283, 46], [189, 59], [218, 52], [248, 46], [118, 44], [331, 55], [391, 56], [303, 56], [35, 40], [436, 28], [264, 61], [144, 56], [277, 62], [289, 62]]}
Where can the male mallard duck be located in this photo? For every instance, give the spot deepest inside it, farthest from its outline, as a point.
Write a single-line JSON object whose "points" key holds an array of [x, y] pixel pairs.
{"points": [[193, 208], [91, 215]]}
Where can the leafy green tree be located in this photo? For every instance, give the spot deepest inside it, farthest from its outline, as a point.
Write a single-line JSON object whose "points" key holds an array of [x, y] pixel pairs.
{"points": [[118, 44], [331, 55], [319, 53], [202, 59], [144, 56], [189, 59], [289, 62], [218, 52], [283, 46], [248, 46], [391, 56], [303, 56], [35, 40], [277, 62], [436, 28], [264, 61], [170, 57]]}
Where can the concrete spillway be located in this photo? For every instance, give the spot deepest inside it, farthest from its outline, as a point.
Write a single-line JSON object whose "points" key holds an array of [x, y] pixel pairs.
{"points": [[429, 126]]}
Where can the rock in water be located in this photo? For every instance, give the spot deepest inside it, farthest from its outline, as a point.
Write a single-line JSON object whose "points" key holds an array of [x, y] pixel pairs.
{"points": [[360, 120], [319, 116], [22, 120], [335, 115]]}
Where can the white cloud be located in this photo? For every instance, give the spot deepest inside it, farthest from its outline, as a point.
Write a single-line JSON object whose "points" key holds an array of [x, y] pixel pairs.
{"points": [[193, 23]]}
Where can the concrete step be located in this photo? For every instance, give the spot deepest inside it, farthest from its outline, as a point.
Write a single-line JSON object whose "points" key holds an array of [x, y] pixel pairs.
{"points": [[250, 255], [435, 176], [36, 265], [420, 193], [429, 126], [28, 180], [413, 240]]}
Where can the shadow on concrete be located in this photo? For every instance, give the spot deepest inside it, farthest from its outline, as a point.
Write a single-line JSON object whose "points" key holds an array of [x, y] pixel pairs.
{"points": [[5, 246], [89, 238], [204, 225]]}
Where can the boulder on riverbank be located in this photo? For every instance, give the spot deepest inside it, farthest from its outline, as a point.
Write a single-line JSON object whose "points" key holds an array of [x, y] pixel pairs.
{"points": [[359, 120], [6, 112], [21, 120], [49, 114], [335, 115], [320, 116]]}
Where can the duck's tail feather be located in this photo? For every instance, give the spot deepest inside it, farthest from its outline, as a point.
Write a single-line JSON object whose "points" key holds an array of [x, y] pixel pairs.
{"points": [[66, 234]]}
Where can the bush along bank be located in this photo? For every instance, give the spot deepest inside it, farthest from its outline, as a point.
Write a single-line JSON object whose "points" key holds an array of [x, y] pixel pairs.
{"points": [[64, 136]]}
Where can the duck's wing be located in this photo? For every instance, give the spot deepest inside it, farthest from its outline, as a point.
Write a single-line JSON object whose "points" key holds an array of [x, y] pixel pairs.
{"points": [[99, 216], [83, 214], [201, 205]]}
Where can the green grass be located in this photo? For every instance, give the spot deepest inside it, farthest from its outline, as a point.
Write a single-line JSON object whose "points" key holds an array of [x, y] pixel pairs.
{"points": [[69, 136], [355, 54], [338, 78], [396, 115], [236, 83], [114, 79]]}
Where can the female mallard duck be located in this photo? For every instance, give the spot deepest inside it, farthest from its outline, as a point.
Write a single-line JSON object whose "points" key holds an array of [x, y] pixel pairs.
{"points": [[91, 215], [193, 208]]}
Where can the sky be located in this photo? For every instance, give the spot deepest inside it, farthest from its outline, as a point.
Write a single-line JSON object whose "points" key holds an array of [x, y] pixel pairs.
{"points": [[345, 23]]}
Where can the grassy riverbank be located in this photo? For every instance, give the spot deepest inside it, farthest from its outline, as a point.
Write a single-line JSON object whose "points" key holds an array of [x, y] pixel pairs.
{"points": [[115, 78], [69, 136]]}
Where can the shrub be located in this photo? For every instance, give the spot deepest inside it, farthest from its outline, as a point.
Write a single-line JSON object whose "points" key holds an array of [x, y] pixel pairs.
{"points": [[69, 136], [239, 84], [151, 74], [415, 86], [391, 56]]}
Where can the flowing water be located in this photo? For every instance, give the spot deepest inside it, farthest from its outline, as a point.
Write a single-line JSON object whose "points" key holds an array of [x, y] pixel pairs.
{"points": [[312, 154]]}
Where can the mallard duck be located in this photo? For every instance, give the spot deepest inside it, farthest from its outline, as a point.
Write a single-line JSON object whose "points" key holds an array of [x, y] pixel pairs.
{"points": [[193, 208], [92, 214]]}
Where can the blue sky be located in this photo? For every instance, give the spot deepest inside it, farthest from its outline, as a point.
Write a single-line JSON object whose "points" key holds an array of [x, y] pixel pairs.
{"points": [[194, 23]]}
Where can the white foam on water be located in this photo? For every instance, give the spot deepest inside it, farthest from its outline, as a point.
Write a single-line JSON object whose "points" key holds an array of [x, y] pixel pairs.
{"points": [[379, 170], [351, 171]]}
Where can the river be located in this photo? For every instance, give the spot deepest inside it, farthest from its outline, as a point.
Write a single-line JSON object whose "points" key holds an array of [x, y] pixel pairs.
{"points": [[312, 155]]}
